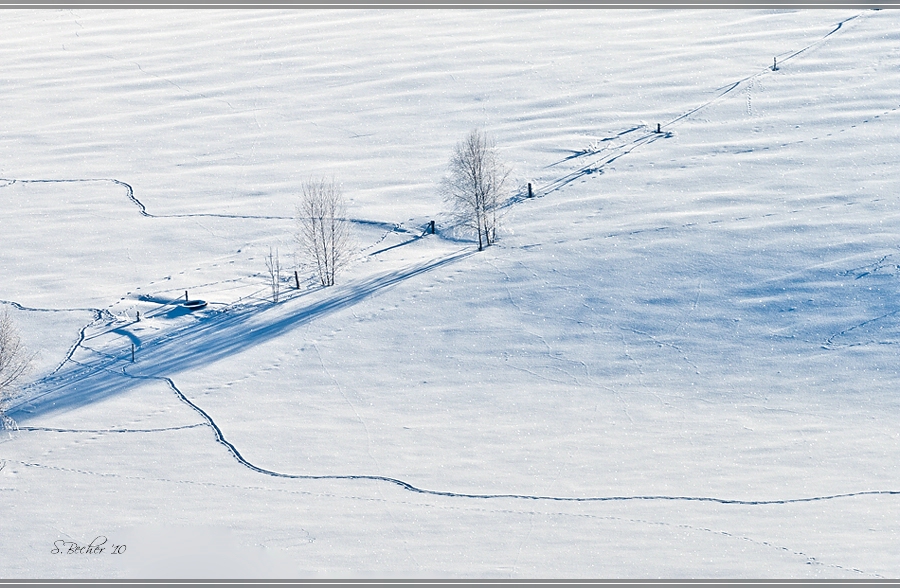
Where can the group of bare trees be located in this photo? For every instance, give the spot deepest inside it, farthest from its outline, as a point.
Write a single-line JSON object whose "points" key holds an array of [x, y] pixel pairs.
{"points": [[14, 363], [473, 188], [321, 234]]}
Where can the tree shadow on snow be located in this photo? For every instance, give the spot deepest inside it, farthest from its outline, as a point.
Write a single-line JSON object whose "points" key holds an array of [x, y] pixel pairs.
{"points": [[217, 336]]}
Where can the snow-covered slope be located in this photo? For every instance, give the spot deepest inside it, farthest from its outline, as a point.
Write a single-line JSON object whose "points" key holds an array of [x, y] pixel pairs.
{"points": [[678, 360]]}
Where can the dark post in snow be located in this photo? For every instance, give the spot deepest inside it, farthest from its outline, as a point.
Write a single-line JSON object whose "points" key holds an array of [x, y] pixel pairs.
{"points": [[658, 128], [530, 193], [431, 227], [138, 316], [296, 279], [185, 296], [132, 353], [775, 64]]}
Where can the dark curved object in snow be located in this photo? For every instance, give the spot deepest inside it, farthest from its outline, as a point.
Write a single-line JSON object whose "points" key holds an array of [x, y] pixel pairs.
{"points": [[194, 304]]}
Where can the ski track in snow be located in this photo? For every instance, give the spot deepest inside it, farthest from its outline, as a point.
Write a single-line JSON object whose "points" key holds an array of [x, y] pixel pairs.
{"points": [[158, 430], [236, 454], [615, 151], [618, 146], [808, 559]]}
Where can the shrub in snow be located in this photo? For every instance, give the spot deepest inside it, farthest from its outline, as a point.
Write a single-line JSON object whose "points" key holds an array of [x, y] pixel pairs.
{"points": [[273, 265]]}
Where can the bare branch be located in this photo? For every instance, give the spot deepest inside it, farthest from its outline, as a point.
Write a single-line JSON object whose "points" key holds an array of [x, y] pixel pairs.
{"points": [[273, 265], [322, 232], [14, 363], [474, 185]]}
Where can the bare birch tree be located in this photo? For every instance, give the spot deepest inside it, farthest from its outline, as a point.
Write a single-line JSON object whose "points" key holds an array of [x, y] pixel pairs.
{"points": [[474, 185], [14, 363], [273, 265], [322, 231]]}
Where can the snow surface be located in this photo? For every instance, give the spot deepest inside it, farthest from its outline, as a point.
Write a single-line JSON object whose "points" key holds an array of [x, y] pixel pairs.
{"points": [[680, 359]]}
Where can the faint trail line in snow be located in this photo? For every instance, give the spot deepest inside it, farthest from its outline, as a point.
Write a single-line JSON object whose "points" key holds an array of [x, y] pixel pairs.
{"points": [[637, 364], [735, 219], [595, 517], [868, 269], [829, 343], [523, 542], [350, 404], [33, 309], [217, 335], [54, 430], [141, 207], [731, 87], [220, 438], [446, 507], [167, 80], [809, 559], [595, 166], [98, 316], [612, 153], [531, 513], [664, 344]]}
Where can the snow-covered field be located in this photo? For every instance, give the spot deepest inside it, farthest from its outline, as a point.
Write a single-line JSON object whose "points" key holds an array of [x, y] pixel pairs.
{"points": [[680, 359]]}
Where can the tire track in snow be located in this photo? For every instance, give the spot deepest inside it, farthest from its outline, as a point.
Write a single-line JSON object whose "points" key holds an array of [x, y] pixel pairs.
{"points": [[236, 454], [595, 166], [733, 219], [24, 308], [142, 209], [811, 560], [830, 344], [619, 151], [447, 507], [99, 314], [159, 430], [553, 186], [725, 90]]}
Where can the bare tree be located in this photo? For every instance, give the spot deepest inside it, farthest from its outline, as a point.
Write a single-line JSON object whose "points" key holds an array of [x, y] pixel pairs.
{"points": [[474, 185], [273, 265], [14, 363], [322, 231]]}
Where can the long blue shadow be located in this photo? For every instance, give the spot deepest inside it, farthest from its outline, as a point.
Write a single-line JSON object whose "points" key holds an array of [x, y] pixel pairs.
{"points": [[220, 335]]}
